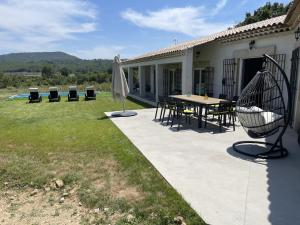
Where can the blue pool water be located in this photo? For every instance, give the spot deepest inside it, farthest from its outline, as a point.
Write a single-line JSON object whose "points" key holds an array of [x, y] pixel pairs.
{"points": [[43, 94]]}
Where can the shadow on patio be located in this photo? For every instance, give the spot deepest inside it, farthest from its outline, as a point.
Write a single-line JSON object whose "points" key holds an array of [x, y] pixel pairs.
{"points": [[283, 182]]}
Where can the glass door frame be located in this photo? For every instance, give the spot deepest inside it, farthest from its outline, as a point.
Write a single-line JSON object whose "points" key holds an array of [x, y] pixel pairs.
{"points": [[200, 69]]}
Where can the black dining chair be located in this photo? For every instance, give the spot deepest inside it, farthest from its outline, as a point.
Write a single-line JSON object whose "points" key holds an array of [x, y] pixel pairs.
{"points": [[160, 104], [171, 106], [222, 96], [222, 112], [234, 100], [212, 108], [181, 110]]}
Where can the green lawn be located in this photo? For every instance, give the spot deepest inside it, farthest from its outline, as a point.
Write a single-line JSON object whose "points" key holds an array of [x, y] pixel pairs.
{"points": [[102, 169]]}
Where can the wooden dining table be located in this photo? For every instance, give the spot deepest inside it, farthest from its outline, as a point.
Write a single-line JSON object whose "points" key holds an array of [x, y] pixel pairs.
{"points": [[199, 101]]}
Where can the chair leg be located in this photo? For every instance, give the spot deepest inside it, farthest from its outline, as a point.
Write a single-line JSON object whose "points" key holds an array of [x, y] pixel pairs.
{"points": [[205, 124], [161, 112], [179, 121], [170, 112], [156, 111], [233, 123], [220, 122], [163, 116], [173, 117]]}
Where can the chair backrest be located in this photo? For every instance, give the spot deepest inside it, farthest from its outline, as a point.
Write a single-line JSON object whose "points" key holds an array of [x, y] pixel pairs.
{"points": [[222, 96], [73, 93], [225, 106], [53, 94], [170, 101], [34, 95], [235, 98], [90, 93], [161, 99], [180, 105]]}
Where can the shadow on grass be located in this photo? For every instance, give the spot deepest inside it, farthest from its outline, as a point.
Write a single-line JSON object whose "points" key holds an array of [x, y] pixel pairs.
{"points": [[104, 117]]}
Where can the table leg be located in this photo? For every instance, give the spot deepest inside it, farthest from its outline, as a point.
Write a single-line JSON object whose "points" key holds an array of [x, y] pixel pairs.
{"points": [[200, 117]]}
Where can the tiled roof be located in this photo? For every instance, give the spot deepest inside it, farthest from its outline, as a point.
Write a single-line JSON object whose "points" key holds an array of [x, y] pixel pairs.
{"points": [[293, 16], [272, 25]]}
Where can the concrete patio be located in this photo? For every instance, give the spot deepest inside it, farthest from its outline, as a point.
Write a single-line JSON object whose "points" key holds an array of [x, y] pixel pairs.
{"points": [[224, 187]]}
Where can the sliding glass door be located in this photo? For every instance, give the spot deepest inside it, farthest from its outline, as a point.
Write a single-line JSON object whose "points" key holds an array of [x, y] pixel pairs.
{"points": [[172, 82], [203, 81]]}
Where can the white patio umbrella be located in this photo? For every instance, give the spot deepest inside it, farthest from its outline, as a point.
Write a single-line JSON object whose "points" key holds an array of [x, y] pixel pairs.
{"points": [[120, 88]]}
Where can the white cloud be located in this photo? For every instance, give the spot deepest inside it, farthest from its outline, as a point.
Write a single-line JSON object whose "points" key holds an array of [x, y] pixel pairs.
{"points": [[38, 24], [188, 20], [220, 5], [243, 2], [100, 52]]}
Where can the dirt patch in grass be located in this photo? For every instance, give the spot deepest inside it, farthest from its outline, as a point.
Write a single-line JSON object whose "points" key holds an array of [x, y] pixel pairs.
{"points": [[102, 175], [43, 208], [20, 208], [129, 193], [3, 158]]}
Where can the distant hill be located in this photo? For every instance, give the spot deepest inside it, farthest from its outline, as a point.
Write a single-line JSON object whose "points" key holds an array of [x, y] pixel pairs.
{"points": [[35, 61], [37, 57]]}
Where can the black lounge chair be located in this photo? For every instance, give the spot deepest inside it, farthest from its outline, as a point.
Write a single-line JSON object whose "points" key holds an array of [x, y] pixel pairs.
{"points": [[34, 96], [90, 93], [53, 95], [73, 95]]}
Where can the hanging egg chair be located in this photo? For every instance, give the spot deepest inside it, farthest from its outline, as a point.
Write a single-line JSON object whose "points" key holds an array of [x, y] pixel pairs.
{"points": [[263, 111]]}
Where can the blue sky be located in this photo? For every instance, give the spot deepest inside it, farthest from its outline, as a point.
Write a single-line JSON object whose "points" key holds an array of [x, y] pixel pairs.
{"points": [[101, 29]]}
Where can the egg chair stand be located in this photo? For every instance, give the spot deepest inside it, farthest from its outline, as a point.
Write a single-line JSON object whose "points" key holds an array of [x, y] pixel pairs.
{"points": [[263, 112]]}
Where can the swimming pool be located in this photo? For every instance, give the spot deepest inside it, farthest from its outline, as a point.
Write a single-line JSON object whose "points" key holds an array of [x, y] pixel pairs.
{"points": [[45, 94]]}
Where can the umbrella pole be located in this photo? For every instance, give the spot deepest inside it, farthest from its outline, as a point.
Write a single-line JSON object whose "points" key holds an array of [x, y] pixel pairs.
{"points": [[123, 106]]}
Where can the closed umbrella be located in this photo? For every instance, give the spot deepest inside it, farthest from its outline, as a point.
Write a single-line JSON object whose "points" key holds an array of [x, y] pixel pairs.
{"points": [[120, 88]]}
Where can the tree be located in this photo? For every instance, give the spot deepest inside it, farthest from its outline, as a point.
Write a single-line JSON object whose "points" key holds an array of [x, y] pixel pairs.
{"points": [[64, 71], [47, 71], [267, 11]]}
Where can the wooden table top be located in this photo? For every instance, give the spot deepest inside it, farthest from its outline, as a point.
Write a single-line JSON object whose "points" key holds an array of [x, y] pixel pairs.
{"points": [[199, 99]]}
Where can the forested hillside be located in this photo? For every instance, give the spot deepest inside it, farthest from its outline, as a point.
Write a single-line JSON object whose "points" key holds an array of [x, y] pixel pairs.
{"points": [[35, 62]]}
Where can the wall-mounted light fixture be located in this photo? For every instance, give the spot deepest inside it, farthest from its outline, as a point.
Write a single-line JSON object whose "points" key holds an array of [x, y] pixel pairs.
{"points": [[251, 44], [297, 34]]}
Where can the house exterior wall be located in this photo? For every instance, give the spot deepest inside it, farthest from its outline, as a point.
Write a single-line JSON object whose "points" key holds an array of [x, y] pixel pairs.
{"points": [[213, 54]]}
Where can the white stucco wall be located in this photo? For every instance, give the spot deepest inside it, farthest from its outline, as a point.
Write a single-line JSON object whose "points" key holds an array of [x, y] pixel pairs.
{"points": [[213, 55]]}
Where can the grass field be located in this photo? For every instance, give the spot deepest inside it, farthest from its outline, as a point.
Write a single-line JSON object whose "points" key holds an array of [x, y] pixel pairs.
{"points": [[105, 178]]}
